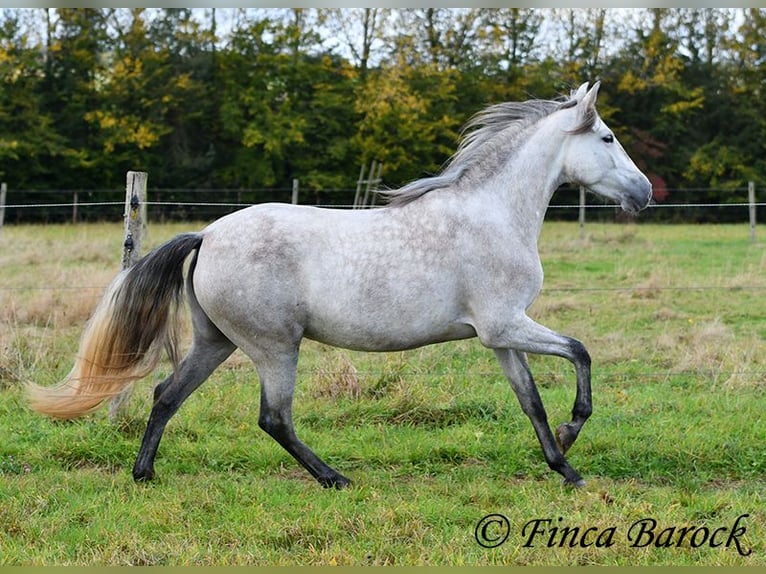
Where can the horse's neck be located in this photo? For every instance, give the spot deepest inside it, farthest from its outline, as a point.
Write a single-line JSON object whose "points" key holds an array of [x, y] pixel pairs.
{"points": [[525, 184]]}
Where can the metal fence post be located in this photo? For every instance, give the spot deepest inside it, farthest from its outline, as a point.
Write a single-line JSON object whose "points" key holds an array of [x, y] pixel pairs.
{"points": [[3, 191], [751, 201]]}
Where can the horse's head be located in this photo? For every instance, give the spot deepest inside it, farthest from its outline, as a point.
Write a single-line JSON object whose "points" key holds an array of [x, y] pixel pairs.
{"points": [[594, 159]]}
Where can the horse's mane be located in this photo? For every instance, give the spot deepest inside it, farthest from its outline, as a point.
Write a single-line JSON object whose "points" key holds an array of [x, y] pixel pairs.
{"points": [[509, 118]]}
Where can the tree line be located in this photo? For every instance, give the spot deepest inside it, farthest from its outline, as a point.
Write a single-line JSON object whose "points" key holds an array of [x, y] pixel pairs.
{"points": [[211, 99]]}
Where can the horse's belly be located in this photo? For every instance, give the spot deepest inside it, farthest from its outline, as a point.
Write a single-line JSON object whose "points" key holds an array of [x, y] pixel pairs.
{"points": [[387, 337], [385, 322]]}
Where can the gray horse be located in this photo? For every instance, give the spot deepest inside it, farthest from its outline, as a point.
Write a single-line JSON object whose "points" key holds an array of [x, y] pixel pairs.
{"points": [[450, 257]]}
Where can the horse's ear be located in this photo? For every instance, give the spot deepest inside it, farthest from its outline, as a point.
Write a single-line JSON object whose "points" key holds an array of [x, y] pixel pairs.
{"points": [[586, 108], [589, 99], [579, 92]]}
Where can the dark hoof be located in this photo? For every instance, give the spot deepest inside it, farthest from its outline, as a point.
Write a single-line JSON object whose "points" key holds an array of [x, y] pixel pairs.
{"points": [[337, 481], [576, 483], [143, 475], [565, 437]]}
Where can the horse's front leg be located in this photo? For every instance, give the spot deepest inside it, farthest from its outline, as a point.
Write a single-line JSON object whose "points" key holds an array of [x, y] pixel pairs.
{"points": [[517, 371], [530, 337]]}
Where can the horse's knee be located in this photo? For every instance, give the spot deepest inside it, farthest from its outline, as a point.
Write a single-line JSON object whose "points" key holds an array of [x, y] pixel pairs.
{"points": [[580, 354]]}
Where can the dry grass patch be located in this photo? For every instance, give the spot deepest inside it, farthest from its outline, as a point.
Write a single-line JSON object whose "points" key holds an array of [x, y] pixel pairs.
{"points": [[336, 378], [651, 287], [23, 350], [705, 347], [51, 307], [550, 304]]}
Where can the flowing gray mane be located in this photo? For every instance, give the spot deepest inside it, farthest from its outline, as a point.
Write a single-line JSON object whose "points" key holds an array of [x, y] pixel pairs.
{"points": [[482, 130]]}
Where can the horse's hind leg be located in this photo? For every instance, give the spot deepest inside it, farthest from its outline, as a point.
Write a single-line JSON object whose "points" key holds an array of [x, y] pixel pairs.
{"points": [[277, 370], [209, 350], [517, 371]]}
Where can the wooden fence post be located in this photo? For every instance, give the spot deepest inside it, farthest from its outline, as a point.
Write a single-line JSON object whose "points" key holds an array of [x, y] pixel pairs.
{"points": [[135, 217], [751, 201], [581, 217], [368, 183], [295, 191], [3, 191], [135, 229]]}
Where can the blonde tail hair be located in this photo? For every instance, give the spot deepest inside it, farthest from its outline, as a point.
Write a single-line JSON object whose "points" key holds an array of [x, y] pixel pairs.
{"points": [[123, 341]]}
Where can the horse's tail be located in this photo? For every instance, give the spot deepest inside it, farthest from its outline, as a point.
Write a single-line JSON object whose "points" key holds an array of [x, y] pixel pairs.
{"points": [[123, 341]]}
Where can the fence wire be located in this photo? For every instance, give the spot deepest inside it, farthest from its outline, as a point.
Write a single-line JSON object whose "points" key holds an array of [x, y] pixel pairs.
{"points": [[71, 205], [240, 205]]}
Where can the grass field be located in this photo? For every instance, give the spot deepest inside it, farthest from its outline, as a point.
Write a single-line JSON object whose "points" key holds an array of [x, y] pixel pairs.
{"points": [[433, 438]]}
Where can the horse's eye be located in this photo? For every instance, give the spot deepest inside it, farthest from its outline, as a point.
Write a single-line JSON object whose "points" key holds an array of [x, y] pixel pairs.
{"points": [[608, 138]]}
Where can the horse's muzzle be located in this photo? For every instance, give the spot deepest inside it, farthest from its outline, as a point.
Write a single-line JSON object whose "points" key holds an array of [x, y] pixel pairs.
{"points": [[638, 198]]}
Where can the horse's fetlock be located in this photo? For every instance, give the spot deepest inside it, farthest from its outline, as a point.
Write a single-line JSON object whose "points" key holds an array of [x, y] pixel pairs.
{"points": [[273, 425], [582, 412], [143, 475], [337, 481]]}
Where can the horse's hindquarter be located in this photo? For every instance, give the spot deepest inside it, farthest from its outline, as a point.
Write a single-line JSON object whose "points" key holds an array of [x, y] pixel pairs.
{"points": [[367, 280]]}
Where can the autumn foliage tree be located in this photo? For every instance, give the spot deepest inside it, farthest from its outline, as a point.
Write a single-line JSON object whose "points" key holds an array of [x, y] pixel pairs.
{"points": [[252, 98]]}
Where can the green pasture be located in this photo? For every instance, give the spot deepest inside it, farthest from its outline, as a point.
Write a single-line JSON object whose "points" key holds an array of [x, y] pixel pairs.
{"points": [[433, 438]]}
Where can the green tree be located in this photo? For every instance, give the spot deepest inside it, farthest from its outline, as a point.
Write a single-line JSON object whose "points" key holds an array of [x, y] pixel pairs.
{"points": [[29, 146], [651, 97], [153, 98], [322, 158], [187, 96], [129, 120], [312, 94], [285, 109], [77, 40], [749, 94], [724, 132], [405, 121], [512, 48]]}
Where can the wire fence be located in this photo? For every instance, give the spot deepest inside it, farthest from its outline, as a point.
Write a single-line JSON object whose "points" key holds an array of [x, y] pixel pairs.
{"points": [[565, 206], [689, 205], [166, 205]]}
